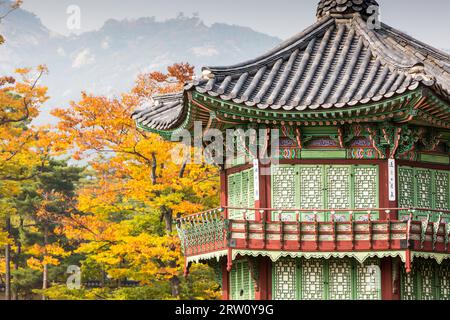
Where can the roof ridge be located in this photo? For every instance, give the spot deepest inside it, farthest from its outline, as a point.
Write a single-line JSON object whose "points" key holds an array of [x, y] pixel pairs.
{"points": [[380, 49], [407, 37]]}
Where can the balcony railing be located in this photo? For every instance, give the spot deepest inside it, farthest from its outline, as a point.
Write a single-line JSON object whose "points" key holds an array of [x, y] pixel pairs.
{"points": [[319, 230]]}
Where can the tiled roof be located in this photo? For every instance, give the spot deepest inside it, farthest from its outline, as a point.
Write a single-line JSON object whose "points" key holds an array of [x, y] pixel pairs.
{"points": [[326, 7], [160, 113], [338, 62]]}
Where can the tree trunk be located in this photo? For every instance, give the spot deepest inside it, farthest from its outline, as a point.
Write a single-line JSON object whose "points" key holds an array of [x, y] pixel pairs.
{"points": [[45, 271], [8, 262], [154, 167], [15, 291], [175, 286], [168, 220]]}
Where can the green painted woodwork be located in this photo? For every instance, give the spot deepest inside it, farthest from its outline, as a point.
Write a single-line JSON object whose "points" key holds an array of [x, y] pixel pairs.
{"points": [[440, 159], [427, 281], [383, 108], [320, 279], [338, 187], [423, 189], [323, 154], [368, 281], [313, 279], [340, 279], [316, 187], [285, 279], [284, 186], [241, 194], [241, 282]]}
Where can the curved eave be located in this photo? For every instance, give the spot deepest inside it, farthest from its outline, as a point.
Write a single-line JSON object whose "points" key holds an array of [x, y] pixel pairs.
{"points": [[336, 71], [419, 104]]}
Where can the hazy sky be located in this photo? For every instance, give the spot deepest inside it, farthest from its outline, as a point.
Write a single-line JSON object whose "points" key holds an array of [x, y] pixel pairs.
{"points": [[427, 20]]}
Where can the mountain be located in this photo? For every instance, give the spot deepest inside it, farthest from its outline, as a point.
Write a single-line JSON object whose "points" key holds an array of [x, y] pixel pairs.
{"points": [[107, 61]]}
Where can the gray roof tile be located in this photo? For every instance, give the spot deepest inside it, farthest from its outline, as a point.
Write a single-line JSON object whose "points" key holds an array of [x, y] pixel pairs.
{"points": [[333, 64]]}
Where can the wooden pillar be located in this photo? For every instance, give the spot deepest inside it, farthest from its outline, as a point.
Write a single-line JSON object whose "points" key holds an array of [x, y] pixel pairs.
{"points": [[384, 190], [265, 184], [225, 282], [390, 284], [223, 190], [264, 181], [265, 279]]}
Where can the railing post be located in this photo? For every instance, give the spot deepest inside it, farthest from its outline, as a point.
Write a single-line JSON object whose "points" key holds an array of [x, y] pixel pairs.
{"points": [[352, 229], [299, 230], [369, 216], [333, 225], [280, 218], [263, 222], [246, 227], [317, 231], [389, 229]]}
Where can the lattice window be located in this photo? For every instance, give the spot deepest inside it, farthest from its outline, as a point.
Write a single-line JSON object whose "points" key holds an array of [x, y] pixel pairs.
{"points": [[338, 186], [284, 190], [368, 280], [444, 282], [366, 194], [311, 187], [241, 282], [408, 286], [340, 279], [424, 192], [241, 194], [285, 279], [427, 280], [422, 188], [406, 187], [312, 279], [441, 192], [234, 192]]}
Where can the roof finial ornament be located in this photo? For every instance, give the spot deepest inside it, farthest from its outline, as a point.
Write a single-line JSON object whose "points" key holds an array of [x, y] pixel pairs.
{"points": [[329, 7]]}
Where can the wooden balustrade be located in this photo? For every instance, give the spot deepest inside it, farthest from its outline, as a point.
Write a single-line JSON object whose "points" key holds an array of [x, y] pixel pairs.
{"points": [[339, 230]]}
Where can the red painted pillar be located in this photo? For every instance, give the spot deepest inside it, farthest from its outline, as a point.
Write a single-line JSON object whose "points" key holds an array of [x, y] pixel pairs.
{"points": [[223, 190], [225, 263], [265, 279], [384, 190], [225, 282], [263, 185], [390, 282]]}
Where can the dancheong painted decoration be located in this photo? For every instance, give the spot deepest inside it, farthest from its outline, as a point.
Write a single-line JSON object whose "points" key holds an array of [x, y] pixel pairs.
{"points": [[355, 202]]}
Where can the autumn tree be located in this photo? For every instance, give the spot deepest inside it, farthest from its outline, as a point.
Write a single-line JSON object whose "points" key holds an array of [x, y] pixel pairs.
{"points": [[134, 171], [22, 151]]}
